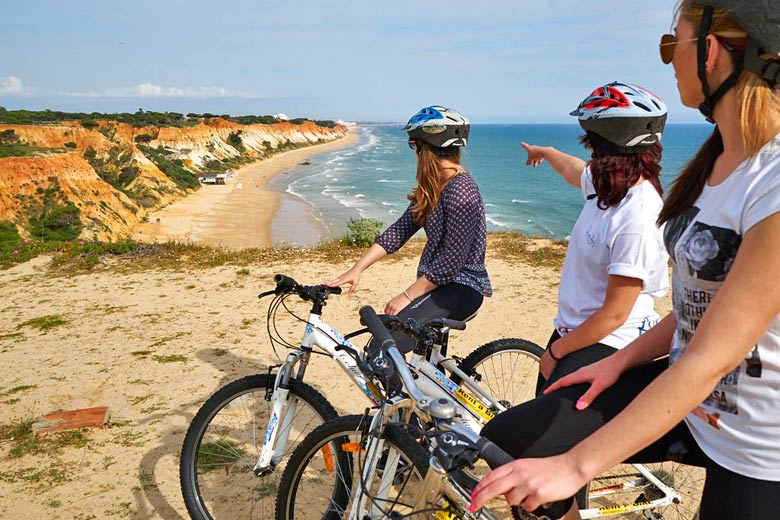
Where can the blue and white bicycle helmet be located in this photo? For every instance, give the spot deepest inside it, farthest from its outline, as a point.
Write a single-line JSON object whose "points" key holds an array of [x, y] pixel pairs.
{"points": [[628, 116], [439, 126]]}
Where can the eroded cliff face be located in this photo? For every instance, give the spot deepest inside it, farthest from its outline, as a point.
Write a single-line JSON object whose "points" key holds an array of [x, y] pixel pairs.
{"points": [[104, 173]]}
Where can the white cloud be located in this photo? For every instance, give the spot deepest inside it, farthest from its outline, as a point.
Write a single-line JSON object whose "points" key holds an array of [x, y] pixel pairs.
{"points": [[10, 86], [150, 90]]}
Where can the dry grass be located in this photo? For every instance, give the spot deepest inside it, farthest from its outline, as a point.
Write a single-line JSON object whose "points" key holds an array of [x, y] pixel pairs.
{"points": [[533, 251]]}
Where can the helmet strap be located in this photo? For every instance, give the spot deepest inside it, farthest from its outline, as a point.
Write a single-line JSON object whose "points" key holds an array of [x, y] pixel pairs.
{"points": [[711, 99]]}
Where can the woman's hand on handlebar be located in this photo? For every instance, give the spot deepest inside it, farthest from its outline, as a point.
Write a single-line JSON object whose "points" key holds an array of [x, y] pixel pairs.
{"points": [[529, 483], [601, 375], [351, 277]]}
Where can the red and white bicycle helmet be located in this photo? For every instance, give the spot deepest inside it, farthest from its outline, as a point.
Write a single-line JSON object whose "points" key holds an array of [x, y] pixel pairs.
{"points": [[628, 116]]}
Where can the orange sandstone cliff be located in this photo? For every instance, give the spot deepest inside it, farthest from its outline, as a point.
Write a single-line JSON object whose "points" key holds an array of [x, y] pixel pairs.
{"points": [[105, 173]]}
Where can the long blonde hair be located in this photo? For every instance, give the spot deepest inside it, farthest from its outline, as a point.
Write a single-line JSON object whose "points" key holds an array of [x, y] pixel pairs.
{"points": [[425, 195], [758, 107]]}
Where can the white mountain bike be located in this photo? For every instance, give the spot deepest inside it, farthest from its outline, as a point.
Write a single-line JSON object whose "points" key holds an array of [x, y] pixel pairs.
{"points": [[235, 448]]}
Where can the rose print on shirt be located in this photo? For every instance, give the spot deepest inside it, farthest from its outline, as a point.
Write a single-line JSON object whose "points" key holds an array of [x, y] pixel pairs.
{"points": [[707, 251], [700, 249]]}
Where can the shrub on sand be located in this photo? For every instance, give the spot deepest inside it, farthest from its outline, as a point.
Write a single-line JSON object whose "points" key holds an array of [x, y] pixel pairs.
{"points": [[362, 232]]}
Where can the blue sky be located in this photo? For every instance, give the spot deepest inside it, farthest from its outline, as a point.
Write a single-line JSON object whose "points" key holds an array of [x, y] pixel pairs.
{"points": [[496, 61]]}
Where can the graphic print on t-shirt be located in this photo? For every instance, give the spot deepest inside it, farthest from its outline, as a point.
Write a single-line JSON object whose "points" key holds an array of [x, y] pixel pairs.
{"points": [[705, 253], [709, 251], [675, 228]]}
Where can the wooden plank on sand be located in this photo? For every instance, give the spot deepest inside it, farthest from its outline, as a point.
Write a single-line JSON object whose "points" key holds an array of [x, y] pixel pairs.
{"points": [[73, 419]]}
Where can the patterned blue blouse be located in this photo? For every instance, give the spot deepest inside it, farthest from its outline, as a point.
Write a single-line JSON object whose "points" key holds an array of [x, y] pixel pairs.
{"points": [[455, 250]]}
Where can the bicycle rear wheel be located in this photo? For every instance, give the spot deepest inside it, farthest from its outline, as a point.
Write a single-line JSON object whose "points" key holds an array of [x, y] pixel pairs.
{"points": [[622, 485], [506, 368], [223, 443], [325, 471]]}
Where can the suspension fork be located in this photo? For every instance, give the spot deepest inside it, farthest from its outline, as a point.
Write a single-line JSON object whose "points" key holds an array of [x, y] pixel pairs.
{"points": [[363, 506], [282, 413]]}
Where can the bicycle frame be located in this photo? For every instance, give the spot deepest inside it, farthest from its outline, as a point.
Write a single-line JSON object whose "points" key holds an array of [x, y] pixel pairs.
{"points": [[320, 334]]}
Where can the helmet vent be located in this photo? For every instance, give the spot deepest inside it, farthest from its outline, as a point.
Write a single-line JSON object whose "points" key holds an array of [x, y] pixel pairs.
{"points": [[643, 107]]}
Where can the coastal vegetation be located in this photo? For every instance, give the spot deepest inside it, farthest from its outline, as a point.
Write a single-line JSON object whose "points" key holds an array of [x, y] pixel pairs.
{"points": [[362, 232], [172, 167], [82, 256], [139, 119]]}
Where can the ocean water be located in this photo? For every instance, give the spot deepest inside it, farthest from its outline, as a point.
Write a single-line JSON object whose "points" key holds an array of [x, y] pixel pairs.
{"points": [[371, 178]]}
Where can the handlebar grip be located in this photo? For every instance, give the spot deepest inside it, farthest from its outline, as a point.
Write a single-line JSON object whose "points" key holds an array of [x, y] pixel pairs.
{"points": [[492, 454], [454, 324], [285, 282], [333, 290], [369, 318]]}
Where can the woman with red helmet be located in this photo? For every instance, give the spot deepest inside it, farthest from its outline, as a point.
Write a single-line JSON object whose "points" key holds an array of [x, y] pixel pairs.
{"points": [[451, 277], [615, 265], [719, 389]]}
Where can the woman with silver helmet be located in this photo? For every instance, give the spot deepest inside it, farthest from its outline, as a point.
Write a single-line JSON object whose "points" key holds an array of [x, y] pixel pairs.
{"points": [[451, 279], [615, 265], [719, 389]]}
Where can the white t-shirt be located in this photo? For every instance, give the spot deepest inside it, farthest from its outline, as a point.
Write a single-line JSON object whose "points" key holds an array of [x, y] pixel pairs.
{"points": [[738, 426], [622, 240]]}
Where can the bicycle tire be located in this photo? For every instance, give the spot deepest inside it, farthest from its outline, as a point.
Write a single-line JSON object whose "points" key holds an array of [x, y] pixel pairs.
{"points": [[507, 368], [310, 488], [223, 443], [688, 481]]}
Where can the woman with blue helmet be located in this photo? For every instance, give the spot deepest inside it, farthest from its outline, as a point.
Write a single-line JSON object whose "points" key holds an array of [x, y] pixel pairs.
{"points": [[451, 279], [718, 391]]}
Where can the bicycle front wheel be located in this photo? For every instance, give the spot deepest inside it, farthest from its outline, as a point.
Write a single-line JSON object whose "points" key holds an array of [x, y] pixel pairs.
{"points": [[325, 471], [507, 368], [223, 444]]}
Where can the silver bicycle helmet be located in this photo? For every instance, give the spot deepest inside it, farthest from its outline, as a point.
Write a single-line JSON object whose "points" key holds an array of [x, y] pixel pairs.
{"points": [[628, 116], [439, 126]]}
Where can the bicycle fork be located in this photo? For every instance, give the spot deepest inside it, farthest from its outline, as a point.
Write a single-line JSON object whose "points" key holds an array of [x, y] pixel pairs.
{"points": [[283, 410]]}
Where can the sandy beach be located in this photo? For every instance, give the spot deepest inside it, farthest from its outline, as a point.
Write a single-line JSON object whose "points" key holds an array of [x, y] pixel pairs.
{"points": [[153, 344], [240, 213]]}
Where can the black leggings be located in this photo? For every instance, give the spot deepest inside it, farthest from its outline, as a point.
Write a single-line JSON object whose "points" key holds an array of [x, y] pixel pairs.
{"points": [[572, 362], [550, 425], [455, 301]]}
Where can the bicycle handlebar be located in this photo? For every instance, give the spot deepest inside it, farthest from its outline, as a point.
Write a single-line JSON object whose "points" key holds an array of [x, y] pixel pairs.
{"points": [[492, 454], [373, 322], [285, 283], [315, 293]]}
